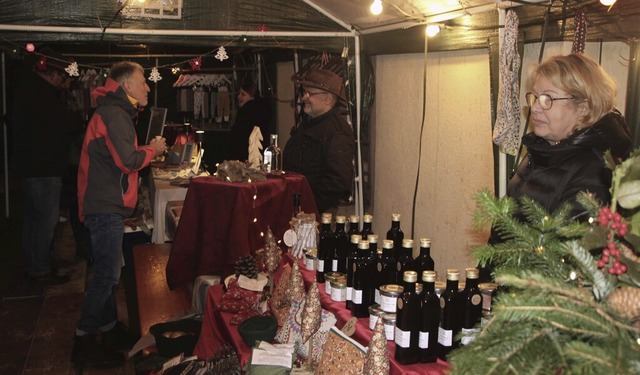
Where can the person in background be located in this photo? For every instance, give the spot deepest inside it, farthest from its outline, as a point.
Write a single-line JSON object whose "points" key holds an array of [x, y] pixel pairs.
{"points": [[107, 193], [322, 147], [574, 121], [43, 127], [253, 111]]}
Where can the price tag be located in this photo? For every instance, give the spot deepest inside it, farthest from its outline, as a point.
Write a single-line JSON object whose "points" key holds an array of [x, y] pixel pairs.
{"points": [[290, 237], [349, 327]]}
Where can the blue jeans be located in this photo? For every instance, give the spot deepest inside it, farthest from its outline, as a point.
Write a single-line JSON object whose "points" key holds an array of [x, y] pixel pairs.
{"points": [[100, 311], [41, 211]]}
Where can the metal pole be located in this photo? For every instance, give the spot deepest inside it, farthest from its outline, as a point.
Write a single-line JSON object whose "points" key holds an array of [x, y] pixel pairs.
{"points": [[4, 129]]}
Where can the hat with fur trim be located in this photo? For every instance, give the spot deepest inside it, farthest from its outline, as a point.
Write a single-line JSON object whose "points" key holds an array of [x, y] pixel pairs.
{"points": [[325, 80]]}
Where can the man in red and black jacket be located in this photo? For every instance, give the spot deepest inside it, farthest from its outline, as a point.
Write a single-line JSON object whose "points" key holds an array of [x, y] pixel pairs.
{"points": [[107, 194]]}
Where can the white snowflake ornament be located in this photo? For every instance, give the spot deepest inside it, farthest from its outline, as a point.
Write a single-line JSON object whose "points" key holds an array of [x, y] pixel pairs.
{"points": [[155, 75]]}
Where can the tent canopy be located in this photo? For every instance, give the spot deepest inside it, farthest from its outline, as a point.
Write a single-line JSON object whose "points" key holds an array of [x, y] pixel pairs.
{"points": [[108, 26]]}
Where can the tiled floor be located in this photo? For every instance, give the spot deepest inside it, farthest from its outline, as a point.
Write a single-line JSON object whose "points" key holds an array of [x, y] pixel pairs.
{"points": [[36, 323]]}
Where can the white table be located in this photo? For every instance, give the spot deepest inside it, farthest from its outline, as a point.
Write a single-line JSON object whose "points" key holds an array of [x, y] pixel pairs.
{"points": [[161, 191]]}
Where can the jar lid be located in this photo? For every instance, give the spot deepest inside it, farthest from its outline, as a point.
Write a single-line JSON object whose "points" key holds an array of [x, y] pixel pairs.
{"points": [[391, 289]]}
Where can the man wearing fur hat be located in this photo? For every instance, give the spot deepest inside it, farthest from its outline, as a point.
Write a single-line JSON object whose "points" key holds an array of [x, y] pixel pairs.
{"points": [[43, 126], [322, 146]]}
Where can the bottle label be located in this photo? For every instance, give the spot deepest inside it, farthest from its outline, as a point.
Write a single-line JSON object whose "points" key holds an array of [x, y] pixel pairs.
{"points": [[402, 338], [320, 265], [399, 266], [379, 267], [327, 287], [373, 320], [468, 335], [389, 330], [376, 296], [476, 299], [423, 340], [334, 265], [357, 296], [445, 336], [388, 304], [349, 293], [309, 264], [268, 155]]}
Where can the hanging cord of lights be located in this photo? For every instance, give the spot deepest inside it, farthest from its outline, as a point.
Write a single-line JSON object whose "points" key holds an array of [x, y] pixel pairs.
{"points": [[424, 119]]}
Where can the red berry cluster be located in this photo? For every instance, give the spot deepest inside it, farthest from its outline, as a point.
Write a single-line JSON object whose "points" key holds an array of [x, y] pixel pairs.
{"points": [[611, 254]]}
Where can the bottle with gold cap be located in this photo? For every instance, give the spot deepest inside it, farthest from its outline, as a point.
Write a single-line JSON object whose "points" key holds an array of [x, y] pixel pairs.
{"points": [[362, 295], [405, 260], [471, 307], [342, 246], [367, 220], [408, 321], [326, 247], [450, 320], [373, 244], [424, 261], [385, 268], [354, 225], [352, 258], [430, 314], [396, 235]]}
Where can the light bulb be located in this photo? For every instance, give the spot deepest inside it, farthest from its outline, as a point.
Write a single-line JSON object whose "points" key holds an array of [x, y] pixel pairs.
{"points": [[607, 2], [432, 30], [376, 7]]}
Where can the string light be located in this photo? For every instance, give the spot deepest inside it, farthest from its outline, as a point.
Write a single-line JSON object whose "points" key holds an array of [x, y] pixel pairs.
{"points": [[607, 3], [30, 47], [376, 7], [432, 30]]}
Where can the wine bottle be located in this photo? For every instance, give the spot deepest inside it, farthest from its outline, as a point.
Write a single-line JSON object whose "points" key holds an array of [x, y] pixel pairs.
{"points": [[471, 306], [362, 296], [405, 260], [351, 261], [396, 235], [366, 226], [354, 223], [428, 340], [373, 244], [326, 247], [339, 262], [385, 269], [272, 161], [450, 319], [408, 321], [424, 261]]}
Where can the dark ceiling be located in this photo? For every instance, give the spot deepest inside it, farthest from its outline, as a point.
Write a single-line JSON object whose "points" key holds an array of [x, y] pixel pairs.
{"points": [[620, 23]]}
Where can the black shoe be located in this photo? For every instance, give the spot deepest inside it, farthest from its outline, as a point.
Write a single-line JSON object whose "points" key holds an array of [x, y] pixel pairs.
{"points": [[87, 352], [50, 279], [119, 337]]}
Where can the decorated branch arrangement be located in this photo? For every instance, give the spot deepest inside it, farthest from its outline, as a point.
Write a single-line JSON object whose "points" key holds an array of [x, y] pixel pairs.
{"points": [[570, 291]]}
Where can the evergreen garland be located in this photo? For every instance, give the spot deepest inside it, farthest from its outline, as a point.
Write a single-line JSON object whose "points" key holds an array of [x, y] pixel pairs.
{"points": [[551, 316]]}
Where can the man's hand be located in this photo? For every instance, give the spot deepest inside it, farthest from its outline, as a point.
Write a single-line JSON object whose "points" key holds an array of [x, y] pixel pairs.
{"points": [[159, 144]]}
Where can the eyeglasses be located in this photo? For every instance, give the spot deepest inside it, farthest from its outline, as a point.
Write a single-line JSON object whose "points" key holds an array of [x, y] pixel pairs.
{"points": [[544, 100], [308, 93]]}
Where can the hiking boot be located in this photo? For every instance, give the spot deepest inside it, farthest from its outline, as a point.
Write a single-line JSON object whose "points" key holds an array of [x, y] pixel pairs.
{"points": [[119, 337], [87, 352]]}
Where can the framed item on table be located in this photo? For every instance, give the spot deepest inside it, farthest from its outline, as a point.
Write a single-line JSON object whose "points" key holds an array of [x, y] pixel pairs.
{"points": [[187, 153]]}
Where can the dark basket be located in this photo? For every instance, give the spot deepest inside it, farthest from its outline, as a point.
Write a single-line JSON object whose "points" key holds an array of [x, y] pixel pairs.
{"points": [[258, 328], [186, 332]]}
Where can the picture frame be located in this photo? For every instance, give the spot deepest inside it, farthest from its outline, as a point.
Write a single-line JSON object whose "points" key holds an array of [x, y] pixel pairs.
{"points": [[187, 153]]}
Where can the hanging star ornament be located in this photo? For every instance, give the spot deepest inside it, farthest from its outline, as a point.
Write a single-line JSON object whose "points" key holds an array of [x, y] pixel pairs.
{"points": [[222, 54], [155, 75], [196, 63], [72, 69], [264, 28]]}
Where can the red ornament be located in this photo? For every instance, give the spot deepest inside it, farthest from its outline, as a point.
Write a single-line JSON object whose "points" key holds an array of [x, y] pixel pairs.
{"points": [[196, 63], [42, 64], [30, 47], [264, 28]]}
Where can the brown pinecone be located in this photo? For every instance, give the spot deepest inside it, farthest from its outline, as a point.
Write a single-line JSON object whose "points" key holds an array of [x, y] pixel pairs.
{"points": [[625, 302]]}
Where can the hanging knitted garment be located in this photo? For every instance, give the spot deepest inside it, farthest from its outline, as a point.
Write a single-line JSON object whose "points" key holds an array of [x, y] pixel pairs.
{"points": [[580, 34], [506, 132]]}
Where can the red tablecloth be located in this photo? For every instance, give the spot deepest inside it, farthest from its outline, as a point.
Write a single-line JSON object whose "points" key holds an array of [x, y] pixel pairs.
{"points": [[217, 226], [217, 330]]}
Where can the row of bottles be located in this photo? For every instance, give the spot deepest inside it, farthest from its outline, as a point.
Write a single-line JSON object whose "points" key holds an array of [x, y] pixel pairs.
{"points": [[334, 245], [427, 326]]}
